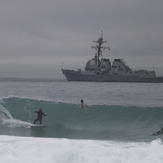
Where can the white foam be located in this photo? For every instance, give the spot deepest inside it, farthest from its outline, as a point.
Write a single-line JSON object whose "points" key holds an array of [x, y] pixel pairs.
{"points": [[7, 120], [52, 150], [14, 123], [5, 113]]}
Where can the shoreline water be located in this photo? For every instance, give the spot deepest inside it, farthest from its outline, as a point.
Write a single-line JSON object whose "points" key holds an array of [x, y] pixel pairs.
{"points": [[41, 150]]}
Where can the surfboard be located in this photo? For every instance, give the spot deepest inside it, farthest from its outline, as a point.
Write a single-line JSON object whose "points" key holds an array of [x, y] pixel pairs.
{"points": [[37, 125], [158, 133]]}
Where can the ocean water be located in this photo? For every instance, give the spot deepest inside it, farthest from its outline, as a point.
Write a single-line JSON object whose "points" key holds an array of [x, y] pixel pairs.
{"points": [[116, 126]]}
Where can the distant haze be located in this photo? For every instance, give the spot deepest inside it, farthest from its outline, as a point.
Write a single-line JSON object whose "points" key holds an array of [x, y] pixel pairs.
{"points": [[38, 37]]}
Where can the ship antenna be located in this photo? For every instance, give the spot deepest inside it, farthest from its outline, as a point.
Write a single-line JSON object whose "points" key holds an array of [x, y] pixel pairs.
{"points": [[101, 34], [99, 47], [62, 65], [115, 54]]}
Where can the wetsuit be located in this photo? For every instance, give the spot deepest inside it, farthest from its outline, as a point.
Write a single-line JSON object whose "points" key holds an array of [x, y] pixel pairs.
{"points": [[39, 118]]}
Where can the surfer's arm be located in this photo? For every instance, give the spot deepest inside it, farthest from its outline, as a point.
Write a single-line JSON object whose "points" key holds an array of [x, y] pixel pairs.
{"points": [[44, 114]]}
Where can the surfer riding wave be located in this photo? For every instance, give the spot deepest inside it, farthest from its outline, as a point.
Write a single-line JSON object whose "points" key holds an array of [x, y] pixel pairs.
{"points": [[40, 113]]}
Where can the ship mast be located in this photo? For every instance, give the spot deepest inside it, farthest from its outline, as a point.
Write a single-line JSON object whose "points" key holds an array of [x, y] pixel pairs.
{"points": [[99, 47]]}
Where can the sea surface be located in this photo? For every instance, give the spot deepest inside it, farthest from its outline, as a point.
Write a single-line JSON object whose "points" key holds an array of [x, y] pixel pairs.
{"points": [[115, 126]]}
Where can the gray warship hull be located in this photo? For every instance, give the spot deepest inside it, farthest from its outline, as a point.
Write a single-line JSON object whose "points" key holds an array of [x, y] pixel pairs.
{"points": [[72, 75]]}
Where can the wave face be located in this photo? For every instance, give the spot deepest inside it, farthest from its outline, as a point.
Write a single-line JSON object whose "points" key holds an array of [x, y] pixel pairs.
{"points": [[65, 120]]}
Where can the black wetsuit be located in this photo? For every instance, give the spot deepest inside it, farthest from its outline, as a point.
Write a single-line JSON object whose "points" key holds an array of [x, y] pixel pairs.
{"points": [[39, 118]]}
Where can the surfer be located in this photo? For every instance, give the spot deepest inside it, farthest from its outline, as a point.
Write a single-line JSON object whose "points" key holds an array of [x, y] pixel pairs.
{"points": [[40, 113], [158, 132], [82, 103]]}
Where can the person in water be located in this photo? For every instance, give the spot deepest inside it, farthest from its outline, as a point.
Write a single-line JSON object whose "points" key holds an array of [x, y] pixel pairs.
{"points": [[40, 113], [158, 132], [82, 103]]}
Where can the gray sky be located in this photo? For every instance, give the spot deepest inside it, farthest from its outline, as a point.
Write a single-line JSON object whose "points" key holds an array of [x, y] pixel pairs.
{"points": [[36, 36]]}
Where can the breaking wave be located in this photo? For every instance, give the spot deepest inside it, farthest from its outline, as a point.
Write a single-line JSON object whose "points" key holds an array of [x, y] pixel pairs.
{"points": [[64, 120]]}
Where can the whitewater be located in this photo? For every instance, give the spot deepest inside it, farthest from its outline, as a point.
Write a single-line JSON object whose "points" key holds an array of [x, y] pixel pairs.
{"points": [[115, 127]]}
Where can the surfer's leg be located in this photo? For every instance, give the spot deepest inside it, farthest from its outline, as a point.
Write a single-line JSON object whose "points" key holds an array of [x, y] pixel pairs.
{"points": [[40, 121], [35, 120]]}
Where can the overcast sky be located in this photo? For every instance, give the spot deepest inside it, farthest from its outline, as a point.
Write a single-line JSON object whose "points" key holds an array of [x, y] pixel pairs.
{"points": [[36, 36]]}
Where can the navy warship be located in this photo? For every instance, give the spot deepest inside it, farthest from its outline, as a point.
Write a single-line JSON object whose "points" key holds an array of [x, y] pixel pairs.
{"points": [[99, 69]]}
